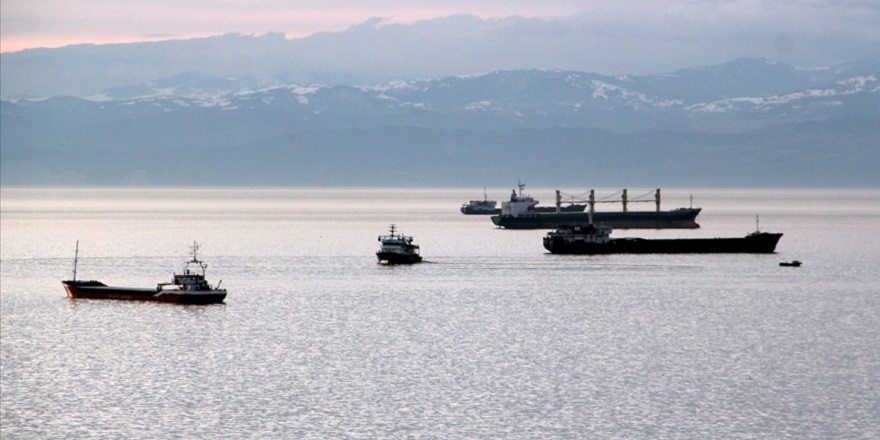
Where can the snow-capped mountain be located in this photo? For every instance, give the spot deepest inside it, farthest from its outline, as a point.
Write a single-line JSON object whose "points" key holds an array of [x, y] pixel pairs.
{"points": [[753, 92], [690, 116]]}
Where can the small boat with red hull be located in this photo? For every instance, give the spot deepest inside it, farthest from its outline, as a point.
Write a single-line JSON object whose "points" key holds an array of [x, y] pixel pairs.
{"points": [[189, 287]]}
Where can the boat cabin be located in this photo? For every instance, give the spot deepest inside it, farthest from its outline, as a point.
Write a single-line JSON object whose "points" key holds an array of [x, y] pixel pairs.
{"points": [[590, 233]]}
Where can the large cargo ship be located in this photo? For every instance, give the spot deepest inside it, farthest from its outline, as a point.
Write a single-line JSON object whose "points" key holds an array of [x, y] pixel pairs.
{"points": [[594, 239], [190, 287], [517, 215]]}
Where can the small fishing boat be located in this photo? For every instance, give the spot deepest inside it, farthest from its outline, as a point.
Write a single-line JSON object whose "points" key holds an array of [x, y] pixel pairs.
{"points": [[189, 287]]}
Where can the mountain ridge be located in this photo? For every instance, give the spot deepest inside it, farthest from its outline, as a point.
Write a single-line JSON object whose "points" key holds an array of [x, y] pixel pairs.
{"points": [[486, 129], [369, 53]]}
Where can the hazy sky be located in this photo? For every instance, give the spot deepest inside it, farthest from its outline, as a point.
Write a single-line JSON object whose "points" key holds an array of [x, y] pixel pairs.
{"points": [[608, 36], [54, 23]]}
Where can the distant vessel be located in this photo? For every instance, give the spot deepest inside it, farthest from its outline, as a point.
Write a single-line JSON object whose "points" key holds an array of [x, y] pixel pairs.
{"points": [[397, 249], [595, 239], [190, 287], [480, 207], [518, 215], [488, 207], [793, 263]]}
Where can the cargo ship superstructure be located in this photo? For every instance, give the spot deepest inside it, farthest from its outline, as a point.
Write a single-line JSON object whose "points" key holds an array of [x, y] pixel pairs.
{"points": [[489, 207]]}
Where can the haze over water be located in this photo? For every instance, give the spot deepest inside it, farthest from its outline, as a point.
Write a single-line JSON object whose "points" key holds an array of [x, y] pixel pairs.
{"points": [[490, 338]]}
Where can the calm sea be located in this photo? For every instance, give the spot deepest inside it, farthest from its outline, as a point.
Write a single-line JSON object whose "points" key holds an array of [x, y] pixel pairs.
{"points": [[491, 338]]}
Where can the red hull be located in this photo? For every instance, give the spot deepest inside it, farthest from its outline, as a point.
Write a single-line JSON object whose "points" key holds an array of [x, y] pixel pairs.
{"points": [[98, 290]]}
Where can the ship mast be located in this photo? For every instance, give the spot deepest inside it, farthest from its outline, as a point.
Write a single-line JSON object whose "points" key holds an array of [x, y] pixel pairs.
{"points": [[195, 259], [195, 250], [75, 259]]}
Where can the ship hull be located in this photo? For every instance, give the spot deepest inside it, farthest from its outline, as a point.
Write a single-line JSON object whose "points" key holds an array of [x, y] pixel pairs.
{"points": [[763, 243], [543, 209], [683, 218], [397, 258], [98, 290], [466, 210]]}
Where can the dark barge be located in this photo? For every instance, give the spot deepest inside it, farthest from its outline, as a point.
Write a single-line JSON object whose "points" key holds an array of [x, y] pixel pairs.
{"points": [[594, 239]]}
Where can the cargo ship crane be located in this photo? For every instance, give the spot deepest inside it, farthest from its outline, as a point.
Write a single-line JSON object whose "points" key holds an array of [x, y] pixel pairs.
{"points": [[624, 199]]}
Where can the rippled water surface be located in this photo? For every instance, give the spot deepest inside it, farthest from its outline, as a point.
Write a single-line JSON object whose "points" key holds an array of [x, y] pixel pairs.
{"points": [[490, 338]]}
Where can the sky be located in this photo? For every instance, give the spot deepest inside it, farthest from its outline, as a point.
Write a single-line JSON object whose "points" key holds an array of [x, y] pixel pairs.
{"points": [[54, 23], [791, 24]]}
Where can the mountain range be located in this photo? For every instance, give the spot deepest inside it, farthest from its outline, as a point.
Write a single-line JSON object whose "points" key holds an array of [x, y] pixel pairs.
{"points": [[748, 122]]}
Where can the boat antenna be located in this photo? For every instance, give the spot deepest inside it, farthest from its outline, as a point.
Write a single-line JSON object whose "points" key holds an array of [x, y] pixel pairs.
{"points": [[75, 259], [757, 224], [195, 250]]}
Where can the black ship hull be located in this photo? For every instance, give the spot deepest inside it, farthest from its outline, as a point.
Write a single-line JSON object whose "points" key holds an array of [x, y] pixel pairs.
{"points": [[542, 209], [682, 218], [397, 258], [99, 290], [760, 243], [480, 211]]}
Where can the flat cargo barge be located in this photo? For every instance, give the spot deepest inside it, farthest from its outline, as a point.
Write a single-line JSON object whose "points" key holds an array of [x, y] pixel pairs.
{"points": [[595, 240]]}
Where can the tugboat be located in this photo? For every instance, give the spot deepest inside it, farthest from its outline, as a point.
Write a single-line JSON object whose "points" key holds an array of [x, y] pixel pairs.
{"points": [[190, 287], [595, 239], [397, 249]]}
